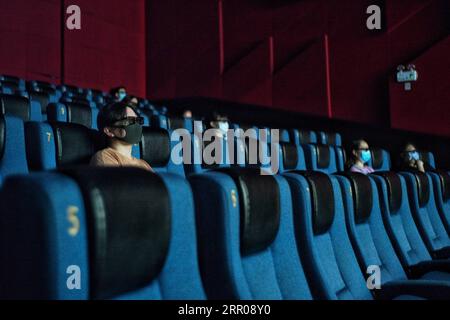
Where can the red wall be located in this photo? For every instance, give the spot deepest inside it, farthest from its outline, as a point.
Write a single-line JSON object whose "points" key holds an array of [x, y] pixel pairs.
{"points": [[109, 49], [30, 39], [426, 107], [312, 56]]}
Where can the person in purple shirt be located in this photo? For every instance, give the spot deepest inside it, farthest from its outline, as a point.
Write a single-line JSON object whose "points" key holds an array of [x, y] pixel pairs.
{"points": [[360, 157]]}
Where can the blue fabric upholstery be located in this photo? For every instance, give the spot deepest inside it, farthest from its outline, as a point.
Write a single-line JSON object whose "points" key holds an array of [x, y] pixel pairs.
{"points": [[427, 216], [312, 158], [371, 241], [381, 160], [332, 139], [159, 121], [44, 148], [40, 144], [297, 137], [45, 234], [273, 273], [301, 162], [14, 160], [36, 236], [57, 112], [369, 238], [329, 260], [340, 158], [442, 204], [401, 227]]}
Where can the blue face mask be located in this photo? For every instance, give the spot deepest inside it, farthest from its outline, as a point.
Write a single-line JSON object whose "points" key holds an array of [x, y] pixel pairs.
{"points": [[366, 156], [414, 155], [122, 95]]}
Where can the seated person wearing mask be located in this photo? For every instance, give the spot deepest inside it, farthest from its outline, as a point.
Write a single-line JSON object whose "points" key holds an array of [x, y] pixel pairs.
{"points": [[118, 94], [360, 157], [220, 123], [120, 124], [410, 160]]}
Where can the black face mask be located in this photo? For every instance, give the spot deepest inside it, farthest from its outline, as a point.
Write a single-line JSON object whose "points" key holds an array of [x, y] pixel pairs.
{"points": [[133, 134]]}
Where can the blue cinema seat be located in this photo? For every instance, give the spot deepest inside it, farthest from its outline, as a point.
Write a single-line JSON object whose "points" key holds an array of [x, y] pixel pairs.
{"points": [[291, 158], [246, 237], [300, 137], [12, 82], [428, 158], [334, 140], [330, 262], [13, 158], [175, 123], [426, 214], [59, 144], [203, 144], [159, 121], [20, 106], [331, 139], [373, 246], [78, 113], [401, 227], [91, 233], [381, 160], [320, 158], [156, 148], [441, 185]]}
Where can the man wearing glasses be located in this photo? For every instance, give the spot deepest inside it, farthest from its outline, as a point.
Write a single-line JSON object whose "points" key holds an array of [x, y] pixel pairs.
{"points": [[122, 127]]}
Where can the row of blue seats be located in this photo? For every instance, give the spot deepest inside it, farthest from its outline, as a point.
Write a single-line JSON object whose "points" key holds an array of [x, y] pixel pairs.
{"points": [[41, 95], [89, 233], [46, 145]]}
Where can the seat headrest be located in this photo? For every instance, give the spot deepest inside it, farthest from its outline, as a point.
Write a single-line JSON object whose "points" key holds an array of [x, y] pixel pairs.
{"points": [[17, 106], [74, 144], [43, 99], [79, 113], [129, 227], [362, 196], [394, 190], [322, 200], [423, 188], [2, 135], [175, 123], [377, 158], [259, 202], [155, 147], [290, 156], [323, 156], [332, 139], [305, 137], [444, 178]]}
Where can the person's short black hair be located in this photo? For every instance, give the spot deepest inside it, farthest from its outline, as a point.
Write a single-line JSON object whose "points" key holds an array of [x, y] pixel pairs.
{"points": [[112, 113], [218, 116], [115, 90]]}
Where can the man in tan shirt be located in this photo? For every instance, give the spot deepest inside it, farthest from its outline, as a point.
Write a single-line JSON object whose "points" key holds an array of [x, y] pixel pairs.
{"points": [[123, 128]]}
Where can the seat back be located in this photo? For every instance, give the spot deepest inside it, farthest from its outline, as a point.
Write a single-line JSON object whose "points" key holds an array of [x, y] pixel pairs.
{"points": [[441, 185], [58, 145], [247, 245], [426, 214], [330, 262], [367, 233], [381, 159], [12, 147], [399, 220], [21, 107], [320, 158], [83, 253], [156, 148]]}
